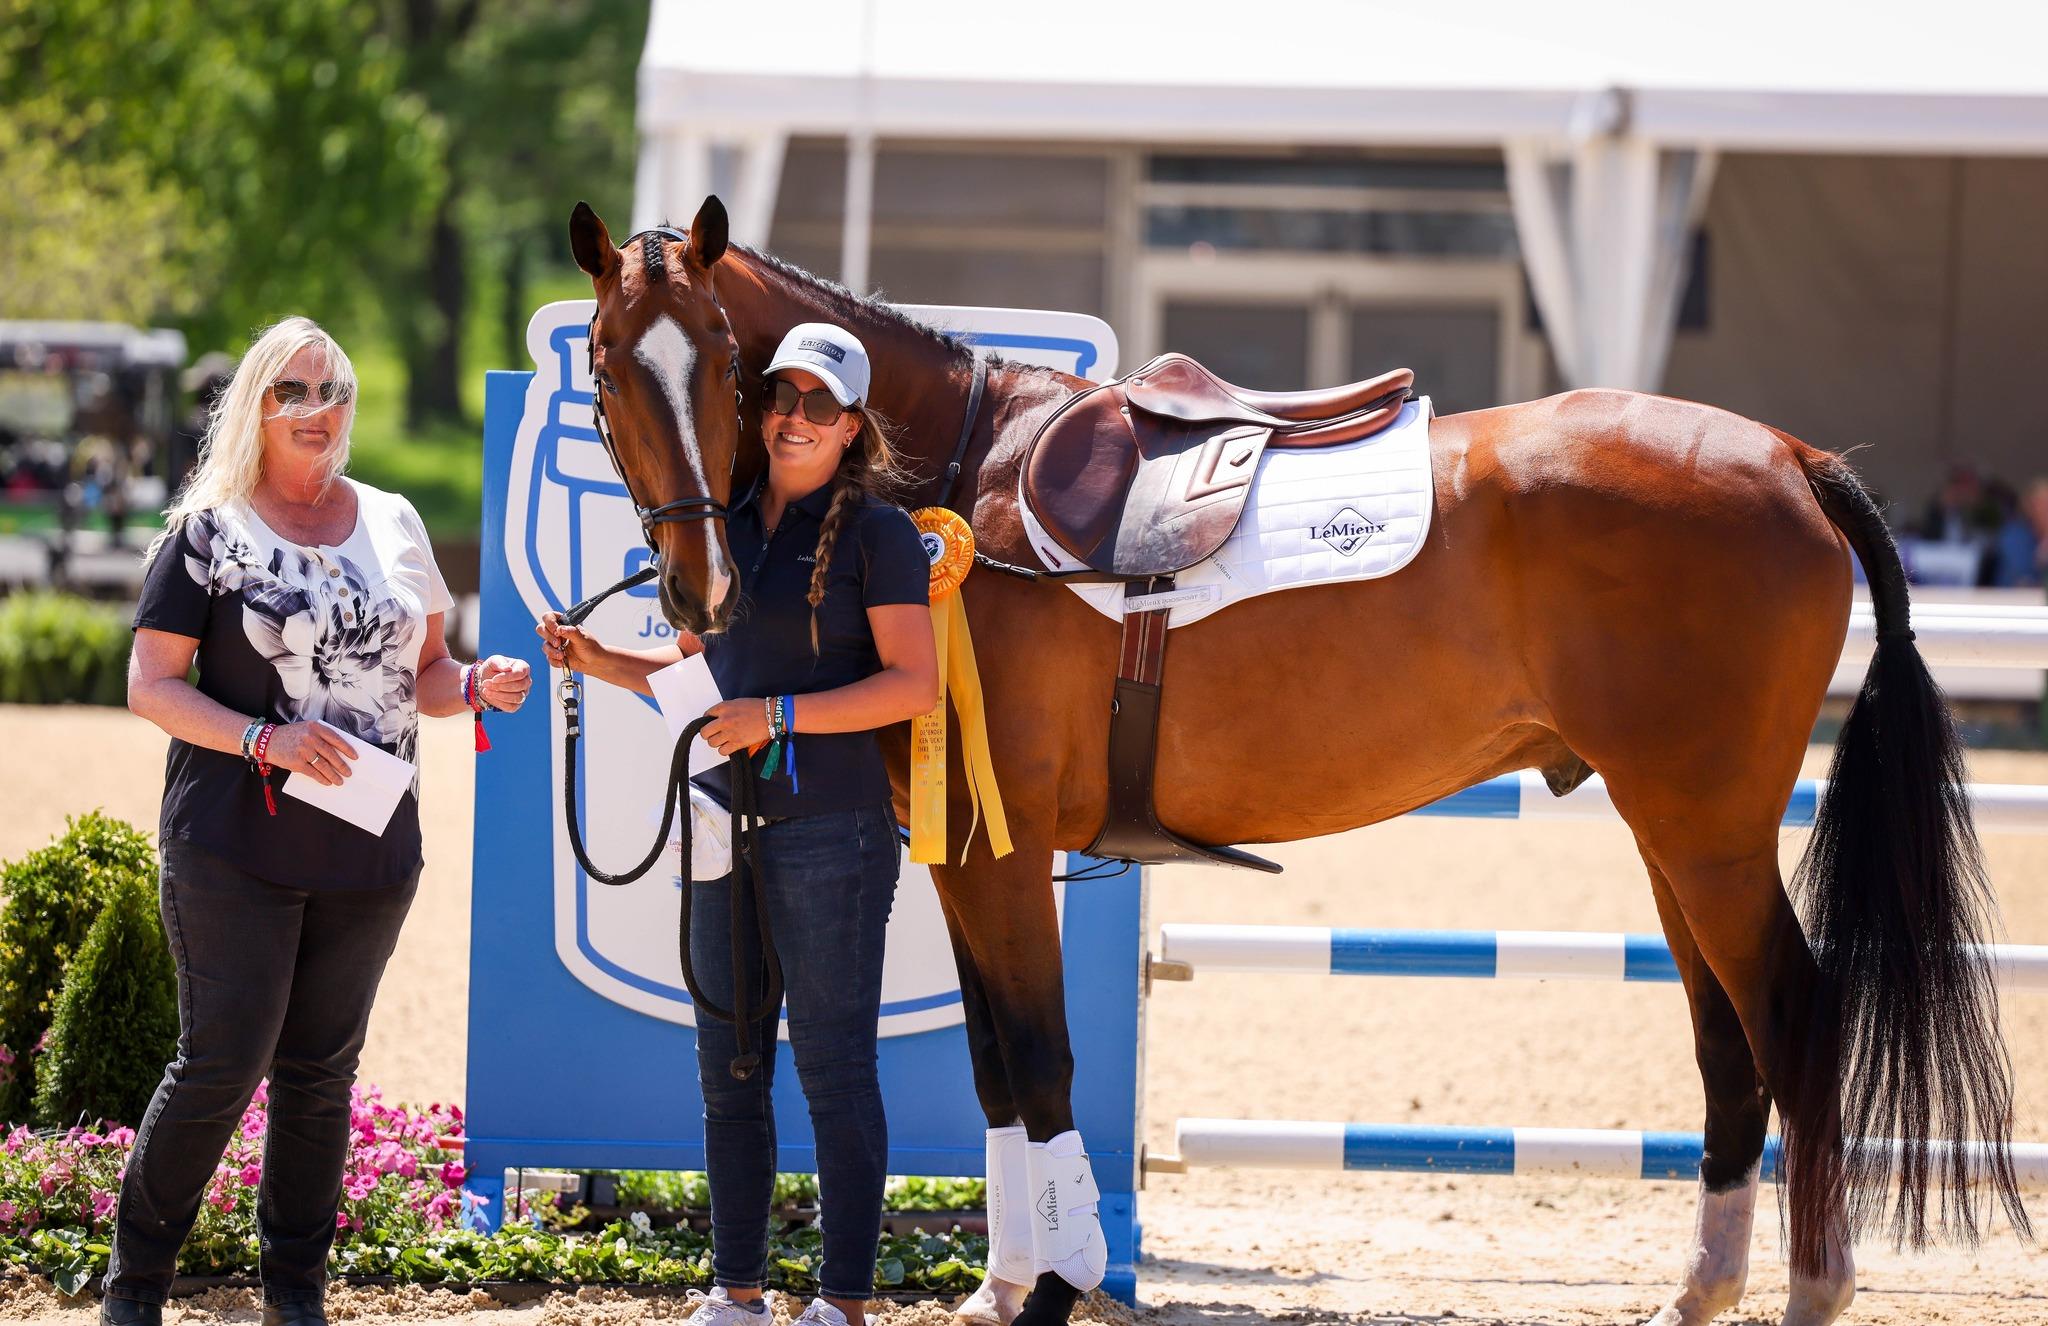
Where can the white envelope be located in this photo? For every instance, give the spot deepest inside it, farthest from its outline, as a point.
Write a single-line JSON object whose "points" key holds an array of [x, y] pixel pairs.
{"points": [[367, 796], [684, 691]]}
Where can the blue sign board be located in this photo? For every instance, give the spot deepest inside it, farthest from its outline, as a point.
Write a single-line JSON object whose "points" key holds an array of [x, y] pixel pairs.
{"points": [[580, 1050]]}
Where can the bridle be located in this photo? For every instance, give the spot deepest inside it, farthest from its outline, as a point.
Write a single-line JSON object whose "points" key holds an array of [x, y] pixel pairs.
{"points": [[746, 877], [683, 508]]}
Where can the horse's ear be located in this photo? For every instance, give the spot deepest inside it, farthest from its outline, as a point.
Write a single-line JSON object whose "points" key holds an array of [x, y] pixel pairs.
{"points": [[708, 233], [592, 243]]}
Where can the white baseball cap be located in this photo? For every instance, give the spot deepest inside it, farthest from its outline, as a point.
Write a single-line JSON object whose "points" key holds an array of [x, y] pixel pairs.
{"points": [[832, 354]]}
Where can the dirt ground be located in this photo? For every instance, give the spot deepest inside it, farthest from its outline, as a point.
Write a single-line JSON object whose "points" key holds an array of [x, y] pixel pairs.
{"points": [[1241, 1248]]}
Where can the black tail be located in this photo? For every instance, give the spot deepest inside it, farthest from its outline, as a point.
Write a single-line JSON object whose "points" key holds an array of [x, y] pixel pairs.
{"points": [[1894, 898]]}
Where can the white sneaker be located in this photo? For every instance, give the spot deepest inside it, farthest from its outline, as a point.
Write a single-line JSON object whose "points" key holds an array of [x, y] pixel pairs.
{"points": [[821, 1313], [716, 1309]]}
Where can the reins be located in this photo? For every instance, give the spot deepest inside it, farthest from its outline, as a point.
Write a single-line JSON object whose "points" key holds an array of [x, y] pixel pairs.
{"points": [[747, 884]]}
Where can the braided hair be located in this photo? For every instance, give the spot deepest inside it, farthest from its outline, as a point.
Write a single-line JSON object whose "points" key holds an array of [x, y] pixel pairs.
{"points": [[868, 469]]}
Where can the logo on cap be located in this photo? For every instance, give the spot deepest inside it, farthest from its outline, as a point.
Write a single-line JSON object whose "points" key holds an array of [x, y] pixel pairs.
{"points": [[836, 353]]}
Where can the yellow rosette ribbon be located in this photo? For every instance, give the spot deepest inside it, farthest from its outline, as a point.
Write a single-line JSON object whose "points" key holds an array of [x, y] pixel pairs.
{"points": [[949, 546]]}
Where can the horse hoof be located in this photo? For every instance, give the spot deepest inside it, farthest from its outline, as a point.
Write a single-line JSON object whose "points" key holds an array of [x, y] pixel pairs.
{"points": [[1051, 1303], [996, 1303]]}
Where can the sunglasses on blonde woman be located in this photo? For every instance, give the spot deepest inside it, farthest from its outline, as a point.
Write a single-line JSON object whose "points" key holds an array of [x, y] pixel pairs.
{"points": [[291, 391], [819, 406]]}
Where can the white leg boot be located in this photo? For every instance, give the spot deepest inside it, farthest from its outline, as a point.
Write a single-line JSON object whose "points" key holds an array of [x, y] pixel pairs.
{"points": [[1010, 1266], [1066, 1232], [1717, 1268]]}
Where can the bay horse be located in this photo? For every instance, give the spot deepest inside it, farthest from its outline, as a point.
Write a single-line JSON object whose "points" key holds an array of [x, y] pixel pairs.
{"points": [[1647, 588]]}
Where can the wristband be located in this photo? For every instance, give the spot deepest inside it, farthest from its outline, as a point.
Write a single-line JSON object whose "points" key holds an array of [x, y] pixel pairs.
{"points": [[473, 696], [249, 740], [789, 738], [261, 759]]}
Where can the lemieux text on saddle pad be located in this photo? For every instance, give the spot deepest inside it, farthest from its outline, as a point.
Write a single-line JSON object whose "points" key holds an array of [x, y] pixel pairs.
{"points": [[1315, 516]]}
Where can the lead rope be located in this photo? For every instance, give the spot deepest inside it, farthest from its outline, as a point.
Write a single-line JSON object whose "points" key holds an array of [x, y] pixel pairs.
{"points": [[747, 885]]}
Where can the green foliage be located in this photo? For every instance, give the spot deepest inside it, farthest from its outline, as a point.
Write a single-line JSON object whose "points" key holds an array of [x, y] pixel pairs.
{"points": [[623, 1252], [282, 132], [63, 215], [220, 163], [52, 896], [688, 1190], [634, 1252], [60, 649], [917, 1192], [664, 1190], [116, 1022]]}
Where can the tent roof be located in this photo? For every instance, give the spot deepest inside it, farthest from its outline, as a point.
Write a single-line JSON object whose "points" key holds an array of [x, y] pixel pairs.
{"points": [[1882, 75]]}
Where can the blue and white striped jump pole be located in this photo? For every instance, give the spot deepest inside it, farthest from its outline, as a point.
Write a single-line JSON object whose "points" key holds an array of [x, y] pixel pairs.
{"points": [[1539, 955], [1585, 1153], [1998, 807]]}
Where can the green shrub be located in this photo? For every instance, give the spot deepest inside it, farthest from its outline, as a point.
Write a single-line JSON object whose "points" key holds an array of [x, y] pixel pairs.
{"points": [[916, 1192], [60, 649], [116, 1023], [52, 897], [690, 1190]]}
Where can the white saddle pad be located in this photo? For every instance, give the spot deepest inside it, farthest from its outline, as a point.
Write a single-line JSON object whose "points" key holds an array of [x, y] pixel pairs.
{"points": [[1314, 516]]}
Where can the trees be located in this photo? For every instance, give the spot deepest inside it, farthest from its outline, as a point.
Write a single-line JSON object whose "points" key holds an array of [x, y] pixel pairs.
{"points": [[533, 102], [279, 139], [222, 163]]}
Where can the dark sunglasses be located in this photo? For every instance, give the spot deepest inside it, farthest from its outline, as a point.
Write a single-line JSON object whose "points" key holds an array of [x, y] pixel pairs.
{"points": [[820, 407], [291, 391]]}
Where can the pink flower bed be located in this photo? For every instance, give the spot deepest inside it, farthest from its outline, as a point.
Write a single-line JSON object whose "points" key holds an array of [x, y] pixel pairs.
{"points": [[403, 1177]]}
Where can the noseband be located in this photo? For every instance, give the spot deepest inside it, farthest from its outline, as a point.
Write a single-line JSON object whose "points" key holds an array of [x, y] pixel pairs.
{"points": [[684, 508]]}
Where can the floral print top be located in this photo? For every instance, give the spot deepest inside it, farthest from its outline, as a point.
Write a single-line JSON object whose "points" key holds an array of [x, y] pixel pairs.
{"points": [[293, 632]]}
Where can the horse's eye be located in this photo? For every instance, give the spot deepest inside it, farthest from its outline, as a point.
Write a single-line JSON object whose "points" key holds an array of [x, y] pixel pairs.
{"points": [[604, 380]]}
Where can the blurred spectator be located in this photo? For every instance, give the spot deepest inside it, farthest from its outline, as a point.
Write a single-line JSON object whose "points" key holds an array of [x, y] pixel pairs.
{"points": [[2034, 509], [1962, 510], [2018, 548]]}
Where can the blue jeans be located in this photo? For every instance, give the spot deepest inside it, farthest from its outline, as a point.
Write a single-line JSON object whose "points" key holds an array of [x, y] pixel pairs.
{"points": [[829, 881]]}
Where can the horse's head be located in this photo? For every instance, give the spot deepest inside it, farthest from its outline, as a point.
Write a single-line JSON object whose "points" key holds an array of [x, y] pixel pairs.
{"points": [[665, 369]]}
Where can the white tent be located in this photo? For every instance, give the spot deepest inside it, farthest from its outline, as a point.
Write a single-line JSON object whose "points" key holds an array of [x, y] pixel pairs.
{"points": [[1610, 113]]}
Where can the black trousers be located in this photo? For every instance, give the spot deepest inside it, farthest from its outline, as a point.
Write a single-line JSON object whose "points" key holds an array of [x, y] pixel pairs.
{"points": [[271, 980]]}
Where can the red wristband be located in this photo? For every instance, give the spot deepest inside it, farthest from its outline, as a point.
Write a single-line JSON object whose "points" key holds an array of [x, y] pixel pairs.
{"points": [[262, 752], [473, 696]]}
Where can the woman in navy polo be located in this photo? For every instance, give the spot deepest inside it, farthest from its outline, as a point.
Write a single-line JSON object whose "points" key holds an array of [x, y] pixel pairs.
{"points": [[831, 639]]}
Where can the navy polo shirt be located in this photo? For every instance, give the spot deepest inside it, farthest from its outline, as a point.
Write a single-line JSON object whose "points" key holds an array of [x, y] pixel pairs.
{"points": [[878, 558]]}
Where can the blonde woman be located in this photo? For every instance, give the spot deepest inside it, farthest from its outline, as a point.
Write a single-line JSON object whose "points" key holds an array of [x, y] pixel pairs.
{"points": [[313, 608]]}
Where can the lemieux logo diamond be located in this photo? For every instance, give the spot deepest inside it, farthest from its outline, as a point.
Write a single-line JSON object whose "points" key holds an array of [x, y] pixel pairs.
{"points": [[1347, 531]]}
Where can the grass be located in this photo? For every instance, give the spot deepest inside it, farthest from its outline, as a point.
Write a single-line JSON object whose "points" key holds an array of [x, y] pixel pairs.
{"points": [[440, 467]]}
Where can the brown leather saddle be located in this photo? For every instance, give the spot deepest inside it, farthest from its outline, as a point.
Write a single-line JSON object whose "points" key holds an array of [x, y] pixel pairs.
{"points": [[1142, 478], [1148, 475]]}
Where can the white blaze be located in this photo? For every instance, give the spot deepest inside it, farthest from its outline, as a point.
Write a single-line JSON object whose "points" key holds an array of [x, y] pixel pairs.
{"points": [[670, 357]]}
